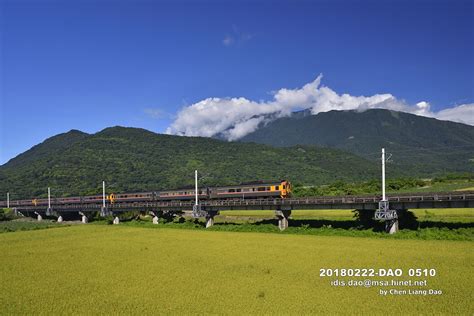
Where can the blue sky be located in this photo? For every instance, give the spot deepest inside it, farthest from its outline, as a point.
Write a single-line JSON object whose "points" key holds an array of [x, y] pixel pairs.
{"points": [[88, 65]]}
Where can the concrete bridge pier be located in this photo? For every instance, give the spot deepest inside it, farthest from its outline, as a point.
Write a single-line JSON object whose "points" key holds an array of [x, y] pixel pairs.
{"points": [[49, 211], [84, 218], [389, 216], [156, 219], [104, 212], [283, 216], [116, 220], [391, 226], [39, 217], [210, 218]]}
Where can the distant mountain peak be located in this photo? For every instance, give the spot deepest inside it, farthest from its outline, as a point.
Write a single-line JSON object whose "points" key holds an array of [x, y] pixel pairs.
{"points": [[75, 131]]}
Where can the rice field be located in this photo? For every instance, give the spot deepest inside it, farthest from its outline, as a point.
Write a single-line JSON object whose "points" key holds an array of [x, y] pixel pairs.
{"points": [[97, 269]]}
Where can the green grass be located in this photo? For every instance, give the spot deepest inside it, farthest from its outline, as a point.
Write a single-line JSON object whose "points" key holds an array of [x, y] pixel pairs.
{"points": [[460, 185], [445, 214], [466, 189], [18, 225], [97, 269]]}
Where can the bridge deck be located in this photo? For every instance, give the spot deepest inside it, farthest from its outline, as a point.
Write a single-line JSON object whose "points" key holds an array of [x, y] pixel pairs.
{"points": [[435, 200]]}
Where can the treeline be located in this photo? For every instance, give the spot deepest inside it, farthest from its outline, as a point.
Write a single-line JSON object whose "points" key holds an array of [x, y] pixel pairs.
{"points": [[454, 176]]}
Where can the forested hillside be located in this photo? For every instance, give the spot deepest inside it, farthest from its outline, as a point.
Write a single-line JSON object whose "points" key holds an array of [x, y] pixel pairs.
{"points": [[132, 159], [419, 145]]}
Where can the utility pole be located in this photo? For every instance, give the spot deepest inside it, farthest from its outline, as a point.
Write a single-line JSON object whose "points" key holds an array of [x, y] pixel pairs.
{"points": [[383, 175], [8, 199], [49, 211], [103, 194], [196, 207], [384, 213], [196, 186]]}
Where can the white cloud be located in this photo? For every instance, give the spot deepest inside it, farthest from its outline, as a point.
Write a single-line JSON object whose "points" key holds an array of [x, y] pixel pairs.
{"points": [[462, 113], [236, 37], [228, 40], [234, 118]]}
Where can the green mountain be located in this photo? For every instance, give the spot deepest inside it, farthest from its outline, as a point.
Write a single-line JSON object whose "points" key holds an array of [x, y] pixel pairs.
{"points": [[131, 159], [419, 145]]}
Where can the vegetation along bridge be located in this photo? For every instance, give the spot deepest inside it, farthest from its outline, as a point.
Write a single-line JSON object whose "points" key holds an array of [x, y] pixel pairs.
{"points": [[386, 210]]}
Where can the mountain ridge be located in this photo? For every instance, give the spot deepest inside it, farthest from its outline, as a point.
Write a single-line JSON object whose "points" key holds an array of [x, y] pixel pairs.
{"points": [[136, 159], [132, 159], [409, 136]]}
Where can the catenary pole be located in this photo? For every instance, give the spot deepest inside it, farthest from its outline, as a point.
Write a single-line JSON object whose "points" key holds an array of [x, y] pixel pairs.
{"points": [[383, 175], [196, 185], [103, 194]]}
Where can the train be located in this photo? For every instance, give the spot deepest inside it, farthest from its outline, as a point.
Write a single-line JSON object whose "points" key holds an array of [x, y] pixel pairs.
{"points": [[250, 190]]}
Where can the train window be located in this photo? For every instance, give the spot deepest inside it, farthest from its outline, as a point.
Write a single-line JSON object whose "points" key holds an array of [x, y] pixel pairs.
{"points": [[238, 190], [261, 189], [231, 190], [277, 187]]}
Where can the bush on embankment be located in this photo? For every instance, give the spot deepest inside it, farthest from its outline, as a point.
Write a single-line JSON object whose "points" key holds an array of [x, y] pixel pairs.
{"points": [[7, 214]]}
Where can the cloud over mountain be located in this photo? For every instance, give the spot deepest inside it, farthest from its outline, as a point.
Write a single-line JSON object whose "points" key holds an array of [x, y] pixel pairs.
{"points": [[233, 118]]}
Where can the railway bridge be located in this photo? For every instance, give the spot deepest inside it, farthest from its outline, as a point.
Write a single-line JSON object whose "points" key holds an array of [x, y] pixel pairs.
{"points": [[282, 207]]}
